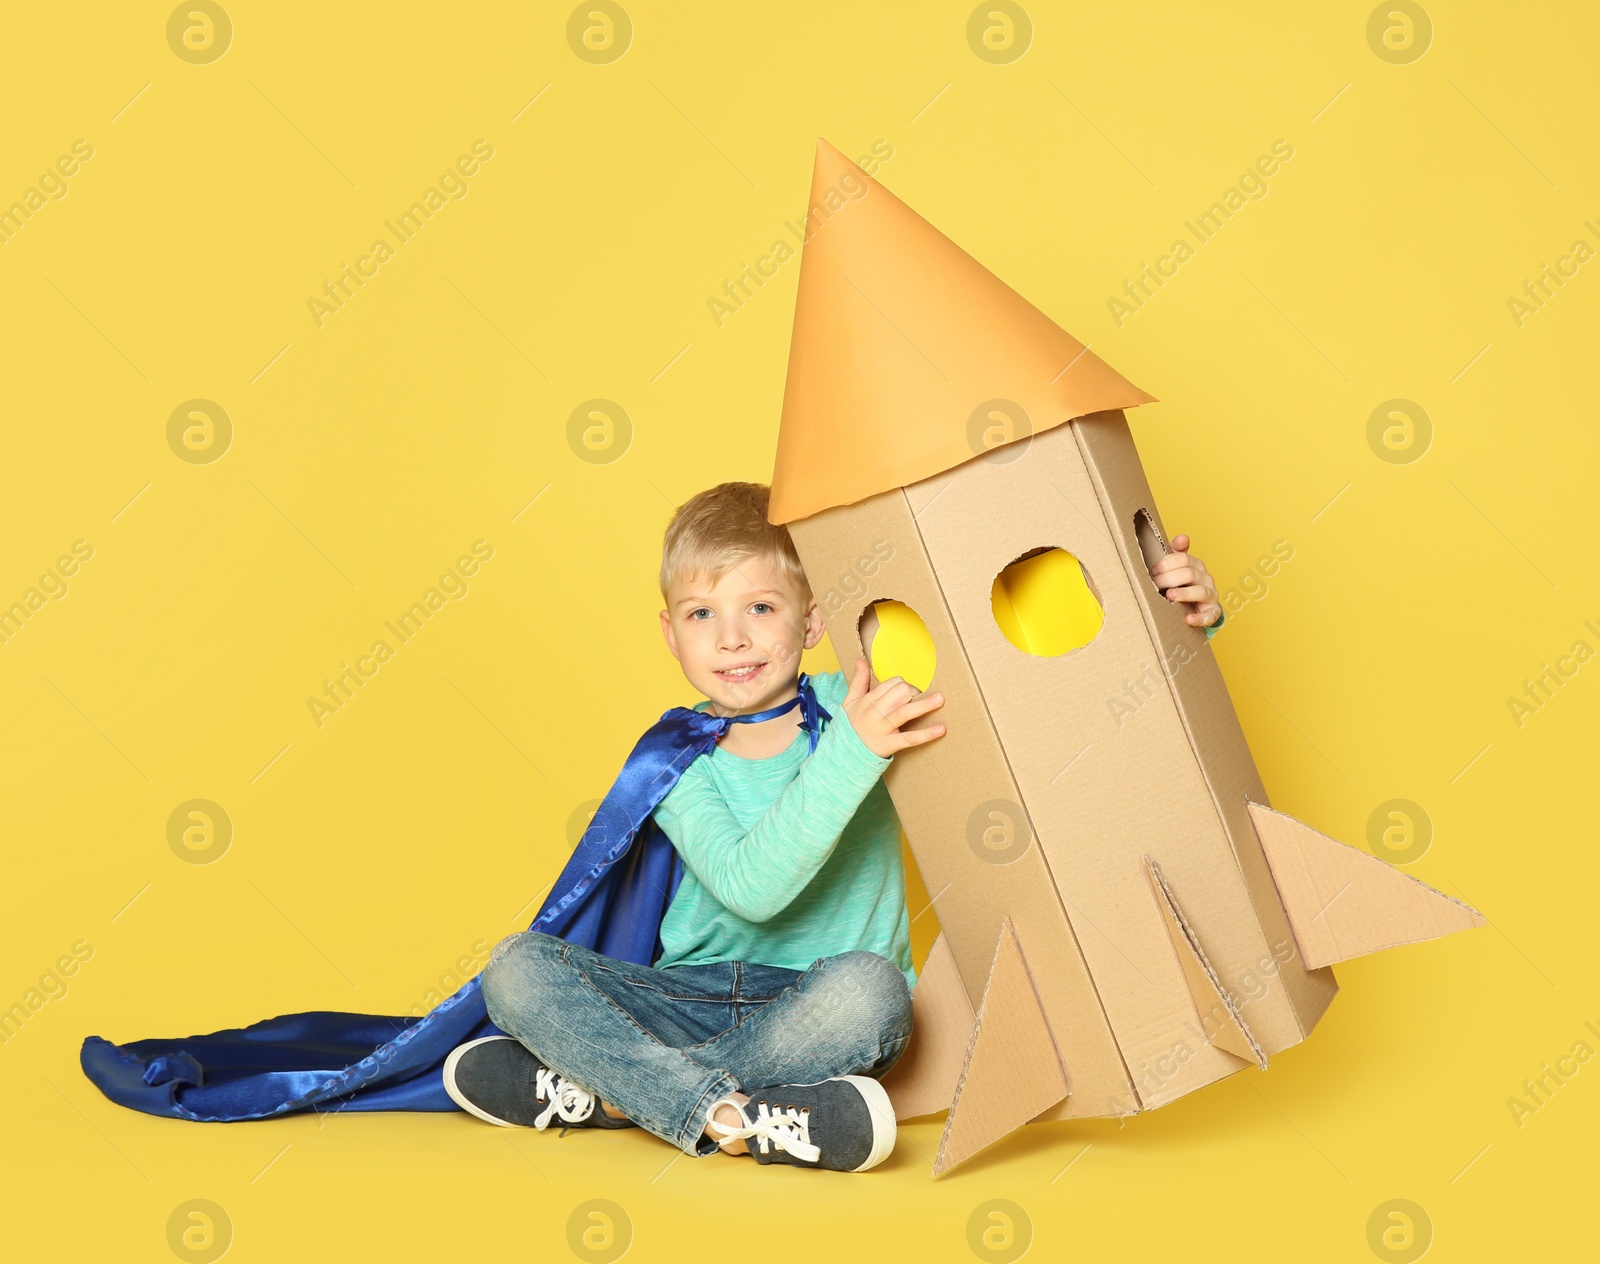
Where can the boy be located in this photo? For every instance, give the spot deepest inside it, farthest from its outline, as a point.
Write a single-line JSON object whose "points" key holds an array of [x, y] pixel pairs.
{"points": [[782, 994]]}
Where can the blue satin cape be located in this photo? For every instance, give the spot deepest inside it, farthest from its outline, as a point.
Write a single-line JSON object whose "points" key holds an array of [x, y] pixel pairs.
{"points": [[611, 897]]}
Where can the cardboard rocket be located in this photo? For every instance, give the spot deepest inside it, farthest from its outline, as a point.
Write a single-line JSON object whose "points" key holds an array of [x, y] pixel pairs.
{"points": [[1124, 917]]}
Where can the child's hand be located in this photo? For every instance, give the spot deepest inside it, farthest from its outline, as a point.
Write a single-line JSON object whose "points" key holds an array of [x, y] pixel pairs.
{"points": [[1183, 577], [877, 714]]}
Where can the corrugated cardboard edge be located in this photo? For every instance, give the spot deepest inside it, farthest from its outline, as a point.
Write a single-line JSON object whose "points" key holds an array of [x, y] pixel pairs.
{"points": [[970, 895], [1065, 1108], [1343, 903], [1012, 1070], [1206, 711], [1093, 825], [924, 1081], [1220, 1020]]}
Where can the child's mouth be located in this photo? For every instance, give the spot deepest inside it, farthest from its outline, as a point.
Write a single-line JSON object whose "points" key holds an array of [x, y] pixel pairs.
{"points": [[740, 675]]}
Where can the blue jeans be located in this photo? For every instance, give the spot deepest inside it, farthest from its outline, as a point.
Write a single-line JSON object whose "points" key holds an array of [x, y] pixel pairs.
{"points": [[663, 1045]]}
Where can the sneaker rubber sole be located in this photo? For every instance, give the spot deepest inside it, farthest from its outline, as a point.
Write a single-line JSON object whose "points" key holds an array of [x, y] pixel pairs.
{"points": [[883, 1119]]}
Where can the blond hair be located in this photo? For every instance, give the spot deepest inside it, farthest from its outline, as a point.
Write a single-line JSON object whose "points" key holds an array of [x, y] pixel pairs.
{"points": [[714, 531]]}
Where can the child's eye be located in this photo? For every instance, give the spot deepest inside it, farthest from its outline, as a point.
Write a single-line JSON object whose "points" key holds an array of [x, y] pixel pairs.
{"points": [[761, 605], [694, 613]]}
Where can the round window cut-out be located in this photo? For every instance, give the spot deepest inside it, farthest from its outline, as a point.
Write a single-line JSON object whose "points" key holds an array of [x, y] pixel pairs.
{"points": [[1045, 604], [897, 643]]}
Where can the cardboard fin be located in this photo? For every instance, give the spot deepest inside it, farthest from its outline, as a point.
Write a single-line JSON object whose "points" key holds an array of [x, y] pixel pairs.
{"points": [[924, 1081], [1220, 1019], [1012, 1070], [1343, 903]]}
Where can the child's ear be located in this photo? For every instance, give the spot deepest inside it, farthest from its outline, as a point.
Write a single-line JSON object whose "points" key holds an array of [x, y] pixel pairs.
{"points": [[815, 625], [666, 631]]}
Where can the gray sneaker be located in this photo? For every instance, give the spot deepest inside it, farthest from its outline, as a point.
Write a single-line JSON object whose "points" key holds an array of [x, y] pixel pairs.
{"points": [[497, 1079], [845, 1123]]}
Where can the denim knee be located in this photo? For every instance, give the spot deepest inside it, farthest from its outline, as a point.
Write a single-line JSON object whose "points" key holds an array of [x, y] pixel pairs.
{"points": [[864, 992], [512, 975]]}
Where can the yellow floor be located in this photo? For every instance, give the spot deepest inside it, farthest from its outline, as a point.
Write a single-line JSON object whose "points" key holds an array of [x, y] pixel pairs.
{"points": [[1376, 422]]}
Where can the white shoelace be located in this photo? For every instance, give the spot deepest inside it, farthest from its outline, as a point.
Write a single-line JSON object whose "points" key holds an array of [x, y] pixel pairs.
{"points": [[789, 1129], [571, 1102]]}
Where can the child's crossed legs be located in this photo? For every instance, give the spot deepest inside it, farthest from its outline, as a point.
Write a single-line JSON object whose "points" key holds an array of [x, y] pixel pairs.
{"points": [[663, 1045]]}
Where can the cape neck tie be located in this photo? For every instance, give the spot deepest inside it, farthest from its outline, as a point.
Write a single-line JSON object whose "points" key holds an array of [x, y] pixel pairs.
{"points": [[805, 699]]}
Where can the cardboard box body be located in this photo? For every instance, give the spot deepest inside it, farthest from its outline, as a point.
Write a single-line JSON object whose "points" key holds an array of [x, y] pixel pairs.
{"points": [[1125, 748]]}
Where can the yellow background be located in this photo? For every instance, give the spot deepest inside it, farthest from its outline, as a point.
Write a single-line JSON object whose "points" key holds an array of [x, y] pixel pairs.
{"points": [[417, 824]]}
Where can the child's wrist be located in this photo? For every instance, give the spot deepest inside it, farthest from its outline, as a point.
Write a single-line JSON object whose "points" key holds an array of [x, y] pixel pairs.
{"points": [[858, 744]]}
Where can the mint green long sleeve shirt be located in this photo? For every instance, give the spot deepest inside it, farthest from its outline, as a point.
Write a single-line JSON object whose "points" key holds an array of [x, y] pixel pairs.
{"points": [[790, 858]]}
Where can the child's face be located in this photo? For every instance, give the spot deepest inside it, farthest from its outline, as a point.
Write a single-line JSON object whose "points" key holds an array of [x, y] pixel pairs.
{"points": [[751, 617]]}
